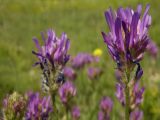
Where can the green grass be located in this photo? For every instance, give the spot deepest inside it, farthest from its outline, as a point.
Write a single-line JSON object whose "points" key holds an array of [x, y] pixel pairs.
{"points": [[83, 21]]}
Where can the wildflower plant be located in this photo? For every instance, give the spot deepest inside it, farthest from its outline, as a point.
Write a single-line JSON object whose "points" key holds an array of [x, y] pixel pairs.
{"points": [[127, 41], [52, 57]]}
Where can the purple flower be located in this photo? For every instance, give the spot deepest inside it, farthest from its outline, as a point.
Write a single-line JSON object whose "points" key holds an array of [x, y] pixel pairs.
{"points": [[75, 113], [82, 59], [67, 91], [38, 108], [54, 49], [152, 49], [128, 37], [120, 93], [137, 95], [69, 73], [93, 72], [136, 115], [106, 105]]}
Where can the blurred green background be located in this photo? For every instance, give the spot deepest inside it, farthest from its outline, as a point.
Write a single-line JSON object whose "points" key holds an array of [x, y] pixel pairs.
{"points": [[83, 21]]}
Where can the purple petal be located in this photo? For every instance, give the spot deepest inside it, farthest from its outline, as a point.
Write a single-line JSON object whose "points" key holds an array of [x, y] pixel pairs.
{"points": [[106, 38], [110, 19], [128, 13], [143, 22], [146, 11], [118, 33], [37, 44], [38, 54], [139, 9], [121, 14], [67, 45], [133, 28]]}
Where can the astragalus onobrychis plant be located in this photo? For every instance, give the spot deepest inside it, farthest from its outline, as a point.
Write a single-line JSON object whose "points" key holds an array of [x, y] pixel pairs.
{"points": [[126, 42]]}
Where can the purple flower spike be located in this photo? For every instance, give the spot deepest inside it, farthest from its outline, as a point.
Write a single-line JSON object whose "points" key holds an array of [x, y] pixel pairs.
{"points": [[82, 59], [75, 113], [93, 73], [69, 73], [136, 115], [106, 105], [128, 37], [54, 49], [38, 108], [67, 91]]}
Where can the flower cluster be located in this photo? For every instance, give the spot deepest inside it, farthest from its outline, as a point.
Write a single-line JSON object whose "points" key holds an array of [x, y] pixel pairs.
{"points": [[14, 106], [106, 105], [52, 58], [38, 108], [54, 49], [69, 73], [128, 37], [67, 91], [82, 59]]}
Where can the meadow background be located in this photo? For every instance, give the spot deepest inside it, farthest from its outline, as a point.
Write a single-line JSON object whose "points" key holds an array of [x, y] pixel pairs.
{"points": [[83, 21]]}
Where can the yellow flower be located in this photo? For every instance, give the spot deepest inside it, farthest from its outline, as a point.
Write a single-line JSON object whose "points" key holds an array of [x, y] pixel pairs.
{"points": [[97, 52]]}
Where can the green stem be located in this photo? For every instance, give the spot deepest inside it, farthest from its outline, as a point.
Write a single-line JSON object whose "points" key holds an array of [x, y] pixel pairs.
{"points": [[55, 111], [67, 115], [127, 106]]}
